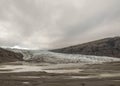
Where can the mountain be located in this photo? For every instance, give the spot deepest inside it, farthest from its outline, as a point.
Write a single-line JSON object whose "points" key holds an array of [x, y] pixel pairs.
{"points": [[45, 56], [92, 52], [9, 56], [104, 47]]}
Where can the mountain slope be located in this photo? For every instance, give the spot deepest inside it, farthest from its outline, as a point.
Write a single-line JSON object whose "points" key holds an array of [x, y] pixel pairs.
{"points": [[9, 56], [104, 47], [44, 56]]}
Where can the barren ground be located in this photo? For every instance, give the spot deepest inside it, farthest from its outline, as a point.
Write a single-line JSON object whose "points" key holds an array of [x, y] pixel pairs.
{"points": [[30, 74]]}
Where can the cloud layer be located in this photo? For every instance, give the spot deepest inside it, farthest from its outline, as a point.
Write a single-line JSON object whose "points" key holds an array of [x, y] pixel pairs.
{"points": [[48, 24]]}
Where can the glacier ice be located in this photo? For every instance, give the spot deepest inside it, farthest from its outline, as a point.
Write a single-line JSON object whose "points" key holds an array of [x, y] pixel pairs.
{"points": [[52, 57]]}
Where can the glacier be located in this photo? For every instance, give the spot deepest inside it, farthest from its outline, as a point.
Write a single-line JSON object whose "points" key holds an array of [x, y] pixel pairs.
{"points": [[45, 56]]}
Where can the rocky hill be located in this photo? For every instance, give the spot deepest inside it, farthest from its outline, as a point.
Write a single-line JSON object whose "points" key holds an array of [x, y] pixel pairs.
{"points": [[9, 56], [104, 47]]}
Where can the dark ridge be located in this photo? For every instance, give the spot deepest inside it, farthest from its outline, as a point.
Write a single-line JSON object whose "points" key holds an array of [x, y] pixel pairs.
{"points": [[104, 47], [9, 56]]}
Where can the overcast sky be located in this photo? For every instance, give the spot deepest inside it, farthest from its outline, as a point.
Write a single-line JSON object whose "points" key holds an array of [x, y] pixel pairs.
{"points": [[45, 24]]}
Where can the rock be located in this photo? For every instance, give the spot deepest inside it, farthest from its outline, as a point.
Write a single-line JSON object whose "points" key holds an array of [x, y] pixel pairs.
{"points": [[104, 47], [9, 56]]}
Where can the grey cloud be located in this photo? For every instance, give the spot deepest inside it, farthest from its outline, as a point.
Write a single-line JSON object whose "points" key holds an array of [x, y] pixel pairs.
{"points": [[57, 23]]}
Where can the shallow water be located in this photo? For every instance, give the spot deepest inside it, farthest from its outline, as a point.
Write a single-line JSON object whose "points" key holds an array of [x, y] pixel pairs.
{"points": [[71, 68], [110, 75], [21, 68], [104, 75], [82, 77], [51, 68], [63, 71]]}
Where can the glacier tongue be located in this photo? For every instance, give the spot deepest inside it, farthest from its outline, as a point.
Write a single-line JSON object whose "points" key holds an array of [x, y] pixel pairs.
{"points": [[52, 57]]}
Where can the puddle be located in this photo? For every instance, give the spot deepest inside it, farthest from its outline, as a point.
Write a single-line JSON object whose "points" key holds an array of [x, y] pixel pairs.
{"points": [[21, 68], [52, 68], [28, 77], [110, 75], [63, 71], [98, 76], [116, 80], [82, 77], [26, 83]]}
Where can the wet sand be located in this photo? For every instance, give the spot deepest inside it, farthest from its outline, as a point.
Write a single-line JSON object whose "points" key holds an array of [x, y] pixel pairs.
{"points": [[107, 74]]}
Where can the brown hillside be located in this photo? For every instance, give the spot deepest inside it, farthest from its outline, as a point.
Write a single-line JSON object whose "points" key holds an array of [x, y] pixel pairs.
{"points": [[104, 47], [9, 56]]}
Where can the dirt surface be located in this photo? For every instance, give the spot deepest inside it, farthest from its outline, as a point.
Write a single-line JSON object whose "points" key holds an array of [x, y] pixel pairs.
{"points": [[107, 74]]}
